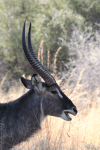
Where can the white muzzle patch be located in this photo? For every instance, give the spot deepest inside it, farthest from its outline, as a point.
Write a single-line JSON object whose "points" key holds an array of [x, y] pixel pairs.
{"points": [[65, 116]]}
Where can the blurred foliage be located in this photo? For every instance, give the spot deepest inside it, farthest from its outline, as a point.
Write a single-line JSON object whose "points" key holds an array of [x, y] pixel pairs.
{"points": [[52, 21], [89, 9]]}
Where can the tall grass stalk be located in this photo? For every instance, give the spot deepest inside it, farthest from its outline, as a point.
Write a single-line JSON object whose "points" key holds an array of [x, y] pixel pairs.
{"points": [[55, 60], [40, 52], [48, 59]]}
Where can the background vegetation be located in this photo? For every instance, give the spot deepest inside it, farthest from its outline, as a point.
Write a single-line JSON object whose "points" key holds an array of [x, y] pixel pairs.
{"points": [[53, 21]]}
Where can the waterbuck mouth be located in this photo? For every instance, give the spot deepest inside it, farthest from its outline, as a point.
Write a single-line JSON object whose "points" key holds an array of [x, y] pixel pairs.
{"points": [[68, 117], [65, 114]]}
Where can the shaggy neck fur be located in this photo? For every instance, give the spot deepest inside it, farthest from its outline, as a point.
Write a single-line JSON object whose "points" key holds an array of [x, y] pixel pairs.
{"points": [[20, 119]]}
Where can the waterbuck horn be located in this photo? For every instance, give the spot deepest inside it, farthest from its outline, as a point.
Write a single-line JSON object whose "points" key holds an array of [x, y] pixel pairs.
{"points": [[30, 55]]}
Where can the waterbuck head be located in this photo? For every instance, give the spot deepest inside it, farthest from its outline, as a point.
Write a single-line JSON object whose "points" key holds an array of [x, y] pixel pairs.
{"points": [[54, 101]]}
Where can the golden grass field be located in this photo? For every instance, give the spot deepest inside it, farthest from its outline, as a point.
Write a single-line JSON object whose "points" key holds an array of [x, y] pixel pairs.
{"points": [[82, 133]]}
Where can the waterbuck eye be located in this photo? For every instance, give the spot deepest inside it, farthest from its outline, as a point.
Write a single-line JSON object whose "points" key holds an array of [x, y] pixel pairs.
{"points": [[54, 92]]}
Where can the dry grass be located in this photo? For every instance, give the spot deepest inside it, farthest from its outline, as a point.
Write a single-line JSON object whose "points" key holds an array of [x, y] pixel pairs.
{"points": [[82, 133], [55, 60], [40, 52]]}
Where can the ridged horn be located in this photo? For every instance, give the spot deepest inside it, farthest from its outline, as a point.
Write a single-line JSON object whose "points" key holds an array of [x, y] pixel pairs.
{"points": [[30, 47], [30, 55]]}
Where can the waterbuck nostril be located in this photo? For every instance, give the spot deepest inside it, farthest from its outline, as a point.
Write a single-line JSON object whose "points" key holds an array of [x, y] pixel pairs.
{"points": [[75, 110]]}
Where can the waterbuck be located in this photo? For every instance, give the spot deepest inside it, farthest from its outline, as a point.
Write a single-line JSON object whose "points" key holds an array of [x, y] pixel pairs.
{"points": [[21, 118]]}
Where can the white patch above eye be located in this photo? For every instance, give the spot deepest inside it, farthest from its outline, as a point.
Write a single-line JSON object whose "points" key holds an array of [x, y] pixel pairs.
{"points": [[59, 93]]}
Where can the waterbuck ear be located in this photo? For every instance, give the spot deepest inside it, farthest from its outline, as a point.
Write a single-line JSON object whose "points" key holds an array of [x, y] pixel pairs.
{"points": [[36, 82], [27, 83]]}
